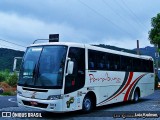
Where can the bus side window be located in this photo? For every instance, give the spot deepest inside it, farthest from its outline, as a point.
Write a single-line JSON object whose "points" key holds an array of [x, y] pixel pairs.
{"points": [[110, 61], [100, 66], [150, 66], [107, 63], [117, 62], [91, 65], [107, 66], [92, 62], [101, 60]]}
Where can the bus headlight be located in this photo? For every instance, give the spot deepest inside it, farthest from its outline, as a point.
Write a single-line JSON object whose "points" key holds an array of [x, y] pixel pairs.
{"points": [[19, 93], [54, 97]]}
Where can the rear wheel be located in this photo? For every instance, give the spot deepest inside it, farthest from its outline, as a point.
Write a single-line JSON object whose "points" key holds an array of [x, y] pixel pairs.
{"points": [[87, 104], [136, 96]]}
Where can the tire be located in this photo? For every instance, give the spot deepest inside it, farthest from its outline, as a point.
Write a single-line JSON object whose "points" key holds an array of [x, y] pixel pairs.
{"points": [[136, 96], [87, 105]]}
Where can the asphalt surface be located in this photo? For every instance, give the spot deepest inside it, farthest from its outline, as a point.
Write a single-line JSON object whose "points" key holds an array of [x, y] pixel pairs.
{"points": [[8, 101], [147, 105]]}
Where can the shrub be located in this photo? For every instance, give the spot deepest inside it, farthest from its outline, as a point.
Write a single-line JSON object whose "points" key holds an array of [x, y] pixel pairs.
{"points": [[7, 93], [156, 81], [2, 77], [6, 74], [12, 80]]}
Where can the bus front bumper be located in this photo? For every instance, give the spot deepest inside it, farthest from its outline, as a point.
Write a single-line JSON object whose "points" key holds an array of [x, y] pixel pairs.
{"points": [[46, 105]]}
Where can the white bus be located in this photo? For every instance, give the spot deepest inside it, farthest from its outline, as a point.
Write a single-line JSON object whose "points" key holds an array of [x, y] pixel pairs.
{"points": [[62, 77]]}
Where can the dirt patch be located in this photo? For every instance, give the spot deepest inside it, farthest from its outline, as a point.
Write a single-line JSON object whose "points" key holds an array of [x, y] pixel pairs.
{"points": [[7, 88]]}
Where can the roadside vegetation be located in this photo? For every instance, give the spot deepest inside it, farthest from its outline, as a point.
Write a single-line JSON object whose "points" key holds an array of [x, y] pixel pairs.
{"points": [[8, 82]]}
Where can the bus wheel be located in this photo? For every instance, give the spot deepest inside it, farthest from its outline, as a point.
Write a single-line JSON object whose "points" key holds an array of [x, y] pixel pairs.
{"points": [[136, 96], [87, 104]]}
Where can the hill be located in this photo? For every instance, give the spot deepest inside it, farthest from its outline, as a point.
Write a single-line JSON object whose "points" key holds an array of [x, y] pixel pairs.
{"points": [[116, 48], [7, 58], [150, 51]]}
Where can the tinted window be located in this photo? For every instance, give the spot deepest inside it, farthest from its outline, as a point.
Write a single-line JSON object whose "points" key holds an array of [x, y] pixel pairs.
{"points": [[43, 67], [76, 80], [98, 60]]}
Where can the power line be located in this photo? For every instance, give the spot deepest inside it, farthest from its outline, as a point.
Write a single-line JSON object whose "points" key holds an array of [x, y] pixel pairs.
{"points": [[12, 43], [133, 14], [105, 18], [4, 45], [8, 47], [117, 13]]}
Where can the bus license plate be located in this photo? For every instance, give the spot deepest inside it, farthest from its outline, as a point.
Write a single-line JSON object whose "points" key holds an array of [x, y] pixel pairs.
{"points": [[33, 103]]}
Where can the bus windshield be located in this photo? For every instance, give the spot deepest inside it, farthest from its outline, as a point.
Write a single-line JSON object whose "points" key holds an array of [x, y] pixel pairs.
{"points": [[43, 67]]}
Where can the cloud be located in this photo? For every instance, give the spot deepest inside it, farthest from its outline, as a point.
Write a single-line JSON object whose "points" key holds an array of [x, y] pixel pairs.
{"points": [[24, 21], [24, 30]]}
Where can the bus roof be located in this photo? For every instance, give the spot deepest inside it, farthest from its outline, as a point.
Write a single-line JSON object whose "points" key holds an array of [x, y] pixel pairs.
{"points": [[60, 43], [72, 44]]}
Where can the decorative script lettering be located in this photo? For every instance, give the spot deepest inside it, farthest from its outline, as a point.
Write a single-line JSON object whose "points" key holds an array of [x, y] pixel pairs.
{"points": [[105, 78]]}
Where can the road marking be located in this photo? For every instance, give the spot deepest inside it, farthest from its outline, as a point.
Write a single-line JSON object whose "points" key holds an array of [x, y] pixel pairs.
{"points": [[12, 100]]}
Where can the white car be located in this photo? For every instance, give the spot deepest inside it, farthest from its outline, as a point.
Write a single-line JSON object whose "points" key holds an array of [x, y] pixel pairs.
{"points": [[158, 84]]}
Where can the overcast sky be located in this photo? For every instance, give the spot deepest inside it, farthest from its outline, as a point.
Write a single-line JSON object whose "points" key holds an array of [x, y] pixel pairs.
{"points": [[112, 22]]}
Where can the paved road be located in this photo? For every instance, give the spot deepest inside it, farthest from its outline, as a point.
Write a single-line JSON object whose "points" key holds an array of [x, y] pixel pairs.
{"points": [[8, 101], [150, 104]]}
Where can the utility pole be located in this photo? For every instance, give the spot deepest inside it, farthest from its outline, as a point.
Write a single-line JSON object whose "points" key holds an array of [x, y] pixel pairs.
{"points": [[156, 56], [138, 53]]}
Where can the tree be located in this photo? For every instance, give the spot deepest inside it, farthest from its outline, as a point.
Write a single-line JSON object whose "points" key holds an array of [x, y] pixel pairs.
{"points": [[154, 33]]}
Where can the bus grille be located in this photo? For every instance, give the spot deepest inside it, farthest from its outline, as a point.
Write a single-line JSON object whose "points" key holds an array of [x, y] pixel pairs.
{"points": [[41, 105]]}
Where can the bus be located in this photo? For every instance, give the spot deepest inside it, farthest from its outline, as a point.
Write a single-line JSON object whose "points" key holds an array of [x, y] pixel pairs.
{"points": [[65, 76]]}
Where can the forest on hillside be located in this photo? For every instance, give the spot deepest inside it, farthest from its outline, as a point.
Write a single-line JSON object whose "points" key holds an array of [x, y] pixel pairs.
{"points": [[7, 58]]}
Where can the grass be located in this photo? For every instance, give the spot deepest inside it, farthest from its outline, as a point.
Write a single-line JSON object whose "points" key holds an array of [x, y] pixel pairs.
{"points": [[9, 93]]}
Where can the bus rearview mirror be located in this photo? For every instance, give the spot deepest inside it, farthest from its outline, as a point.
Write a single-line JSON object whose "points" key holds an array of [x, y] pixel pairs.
{"points": [[70, 67], [16, 64]]}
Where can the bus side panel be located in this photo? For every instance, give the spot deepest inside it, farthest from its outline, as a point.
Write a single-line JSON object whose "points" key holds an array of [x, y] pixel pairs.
{"points": [[104, 93], [106, 85], [146, 85], [111, 87]]}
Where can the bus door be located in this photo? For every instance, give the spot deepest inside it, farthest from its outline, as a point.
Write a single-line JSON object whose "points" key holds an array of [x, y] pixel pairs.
{"points": [[74, 82]]}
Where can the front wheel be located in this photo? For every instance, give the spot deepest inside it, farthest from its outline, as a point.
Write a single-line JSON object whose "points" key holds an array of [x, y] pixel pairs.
{"points": [[87, 105]]}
